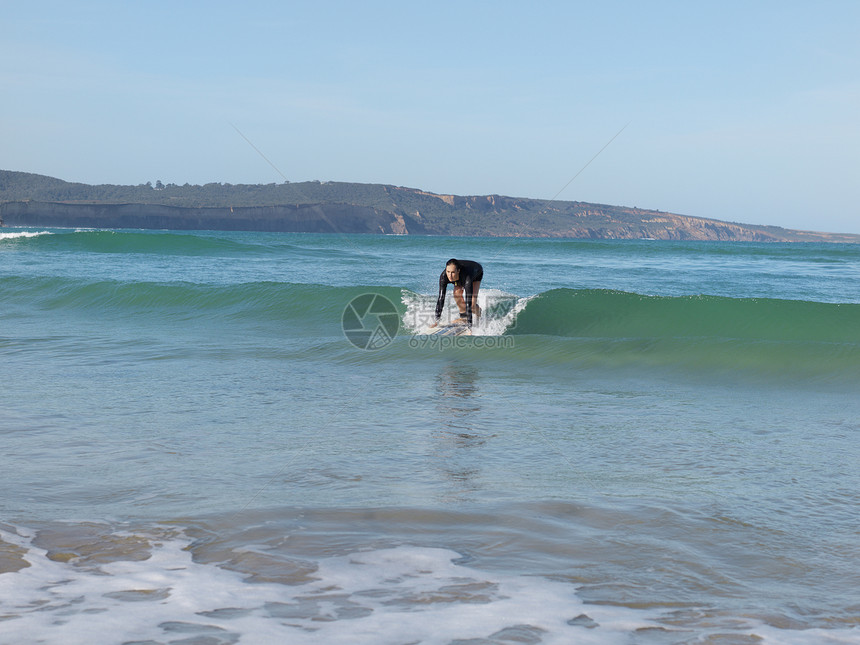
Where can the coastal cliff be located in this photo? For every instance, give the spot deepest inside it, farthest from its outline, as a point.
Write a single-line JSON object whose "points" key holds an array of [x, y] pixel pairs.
{"points": [[308, 218], [337, 207]]}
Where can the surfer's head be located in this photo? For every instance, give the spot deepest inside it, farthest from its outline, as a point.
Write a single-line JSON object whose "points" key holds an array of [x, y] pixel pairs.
{"points": [[452, 270]]}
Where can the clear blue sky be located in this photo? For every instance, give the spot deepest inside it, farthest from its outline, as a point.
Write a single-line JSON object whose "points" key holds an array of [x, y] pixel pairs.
{"points": [[743, 111]]}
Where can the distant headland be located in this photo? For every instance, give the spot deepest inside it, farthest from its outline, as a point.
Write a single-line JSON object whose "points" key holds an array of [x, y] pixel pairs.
{"points": [[336, 207]]}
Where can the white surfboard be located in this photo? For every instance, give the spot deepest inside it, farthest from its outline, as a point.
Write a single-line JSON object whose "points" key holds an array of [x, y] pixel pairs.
{"points": [[457, 328]]}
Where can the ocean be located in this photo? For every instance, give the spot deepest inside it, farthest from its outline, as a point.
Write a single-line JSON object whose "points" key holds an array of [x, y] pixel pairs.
{"points": [[226, 437]]}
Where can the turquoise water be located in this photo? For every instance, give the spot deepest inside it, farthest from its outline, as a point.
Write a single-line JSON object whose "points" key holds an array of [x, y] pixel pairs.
{"points": [[642, 441]]}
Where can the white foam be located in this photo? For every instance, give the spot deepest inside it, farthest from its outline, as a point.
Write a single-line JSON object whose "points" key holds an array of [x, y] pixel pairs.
{"points": [[20, 234], [407, 594], [499, 311], [502, 310]]}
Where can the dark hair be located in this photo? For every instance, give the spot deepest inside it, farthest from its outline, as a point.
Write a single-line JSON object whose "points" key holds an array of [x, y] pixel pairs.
{"points": [[452, 261]]}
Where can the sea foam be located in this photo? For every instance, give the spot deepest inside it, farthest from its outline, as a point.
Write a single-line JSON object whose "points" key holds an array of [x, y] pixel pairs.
{"points": [[394, 595], [405, 594], [499, 311], [22, 234]]}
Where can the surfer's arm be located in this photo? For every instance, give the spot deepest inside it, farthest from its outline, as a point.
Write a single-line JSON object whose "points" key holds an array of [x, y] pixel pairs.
{"points": [[440, 300]]}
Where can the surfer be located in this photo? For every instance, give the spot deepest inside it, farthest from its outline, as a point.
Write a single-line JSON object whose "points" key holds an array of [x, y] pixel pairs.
{"points": [[466, 277]]}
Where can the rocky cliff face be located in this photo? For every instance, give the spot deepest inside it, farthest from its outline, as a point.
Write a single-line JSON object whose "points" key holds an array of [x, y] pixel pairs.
{"points": [[410, 212], [304, 218]]}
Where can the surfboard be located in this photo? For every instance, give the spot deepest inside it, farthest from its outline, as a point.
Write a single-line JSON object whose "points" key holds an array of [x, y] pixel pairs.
{"points": [[455, 328]]}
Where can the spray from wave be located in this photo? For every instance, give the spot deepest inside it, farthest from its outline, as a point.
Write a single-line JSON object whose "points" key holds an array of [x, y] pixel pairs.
{"points": [[499, 311], [17, 235]]}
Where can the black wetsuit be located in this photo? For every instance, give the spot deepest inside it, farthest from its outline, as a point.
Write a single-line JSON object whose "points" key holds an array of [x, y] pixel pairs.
{"points": [[470, 272]]}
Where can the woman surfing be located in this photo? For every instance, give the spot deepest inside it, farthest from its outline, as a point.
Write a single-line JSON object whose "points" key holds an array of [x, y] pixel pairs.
{"points": [[466, 277]]}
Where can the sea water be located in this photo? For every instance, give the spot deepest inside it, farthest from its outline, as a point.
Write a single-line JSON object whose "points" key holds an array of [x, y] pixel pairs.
{"points": [[641, 442]]}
